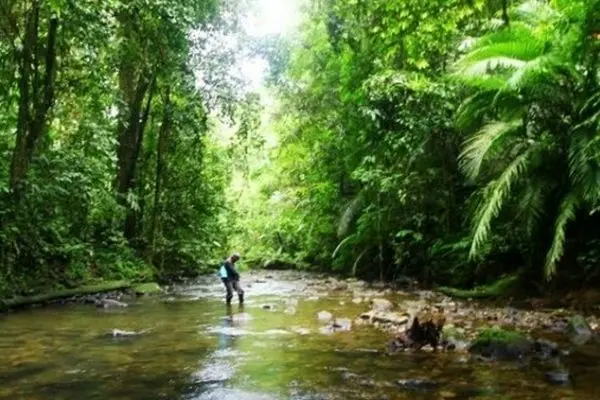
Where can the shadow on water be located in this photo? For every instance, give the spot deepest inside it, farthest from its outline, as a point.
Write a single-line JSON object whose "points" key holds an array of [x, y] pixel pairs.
{"points": [[195, 348]]}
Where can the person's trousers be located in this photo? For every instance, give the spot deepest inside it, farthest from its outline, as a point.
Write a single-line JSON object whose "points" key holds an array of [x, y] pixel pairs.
{"points": [[230, 286]]}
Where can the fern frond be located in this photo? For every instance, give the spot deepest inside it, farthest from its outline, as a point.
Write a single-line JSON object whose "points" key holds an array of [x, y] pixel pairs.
{"points": [[483, 143], [566, 214], [497, 193]]}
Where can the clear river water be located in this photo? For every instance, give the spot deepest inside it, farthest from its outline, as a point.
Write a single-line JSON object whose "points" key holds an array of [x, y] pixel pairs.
{"points": [[193, 347]]}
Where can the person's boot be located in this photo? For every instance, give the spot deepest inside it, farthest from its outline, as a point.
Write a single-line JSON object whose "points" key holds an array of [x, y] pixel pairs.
{"points": [[228, 300], [241, 298]]}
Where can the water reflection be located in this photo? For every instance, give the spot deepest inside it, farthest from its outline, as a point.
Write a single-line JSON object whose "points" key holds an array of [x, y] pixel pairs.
{"points": [[204, 350], [229, 325]]}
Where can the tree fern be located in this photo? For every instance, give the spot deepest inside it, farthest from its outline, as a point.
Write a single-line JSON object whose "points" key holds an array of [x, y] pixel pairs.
{"points": [[496, 194]]}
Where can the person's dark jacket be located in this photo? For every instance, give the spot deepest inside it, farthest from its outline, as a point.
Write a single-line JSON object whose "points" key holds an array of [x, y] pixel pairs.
{"points": [[231, 272]]}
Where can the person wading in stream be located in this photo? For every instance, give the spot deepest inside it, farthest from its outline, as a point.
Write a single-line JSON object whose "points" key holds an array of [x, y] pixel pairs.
{"points": [[231, 278]]}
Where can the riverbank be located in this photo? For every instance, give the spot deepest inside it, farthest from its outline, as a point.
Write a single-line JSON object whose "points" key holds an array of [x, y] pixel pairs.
{"points": [[85, 293]]}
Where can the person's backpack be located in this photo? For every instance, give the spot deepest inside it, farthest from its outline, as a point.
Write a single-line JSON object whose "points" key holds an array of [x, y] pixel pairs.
{"points": [[222, 270]]}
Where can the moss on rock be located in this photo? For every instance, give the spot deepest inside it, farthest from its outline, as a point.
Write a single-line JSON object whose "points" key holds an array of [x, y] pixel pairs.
{"points": [[147, 289], [501, 344], [497, 289]]}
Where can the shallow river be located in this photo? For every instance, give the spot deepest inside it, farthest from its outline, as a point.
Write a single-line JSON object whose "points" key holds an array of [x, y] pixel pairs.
{"points": [[195, 348]]}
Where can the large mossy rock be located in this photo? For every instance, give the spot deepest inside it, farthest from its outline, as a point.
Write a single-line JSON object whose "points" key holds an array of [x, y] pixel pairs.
{"points": [[579, 331], [502, 287], [501, 344], [147, 289]]}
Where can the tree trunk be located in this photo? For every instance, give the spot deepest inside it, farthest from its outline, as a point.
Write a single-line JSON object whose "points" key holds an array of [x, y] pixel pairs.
{"points": [[160, 163], [35, 97], [131, 155], [505, 13]]}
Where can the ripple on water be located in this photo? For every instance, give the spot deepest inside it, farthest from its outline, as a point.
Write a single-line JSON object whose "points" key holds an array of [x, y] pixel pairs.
{"points": [[218, 370], [233, 394]]}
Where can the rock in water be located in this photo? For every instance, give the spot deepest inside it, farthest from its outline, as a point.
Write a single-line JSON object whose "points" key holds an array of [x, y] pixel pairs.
{"points": [[110, 303], [324, 316], [120, 333], [147, 289], [558, 377], [500, 344], [417, 384], [381, 305], [342, 324], [579, 330]]}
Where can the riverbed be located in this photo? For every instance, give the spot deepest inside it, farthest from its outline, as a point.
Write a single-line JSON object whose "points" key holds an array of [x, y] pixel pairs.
{"points": [[191, 346]]}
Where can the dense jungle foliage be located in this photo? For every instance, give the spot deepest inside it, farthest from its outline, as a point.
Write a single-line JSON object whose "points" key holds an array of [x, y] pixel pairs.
{"points": [[451, 140], [107, 167], [456, 141]]}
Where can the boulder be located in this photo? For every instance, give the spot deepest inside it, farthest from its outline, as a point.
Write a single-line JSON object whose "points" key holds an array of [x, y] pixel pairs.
{"points": [[579, 330], [342, 324], [324, 316], [499, 344], [382, 317], [147, 289], [381, 305]]}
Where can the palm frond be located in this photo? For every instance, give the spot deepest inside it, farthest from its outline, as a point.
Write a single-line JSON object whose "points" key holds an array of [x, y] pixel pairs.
{"points": [[532, 72], [590, 104], [497, 193], [473, 109], [483, 143], [341, 244], [517, 31], [350, 214], [584, 161], [536, 12], [567, 211], [531, 204]]}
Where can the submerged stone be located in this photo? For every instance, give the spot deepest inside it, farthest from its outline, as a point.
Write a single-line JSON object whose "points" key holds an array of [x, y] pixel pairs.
{"points": [[417, 384], [579, 330], [558, 377], [110, 303]]}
